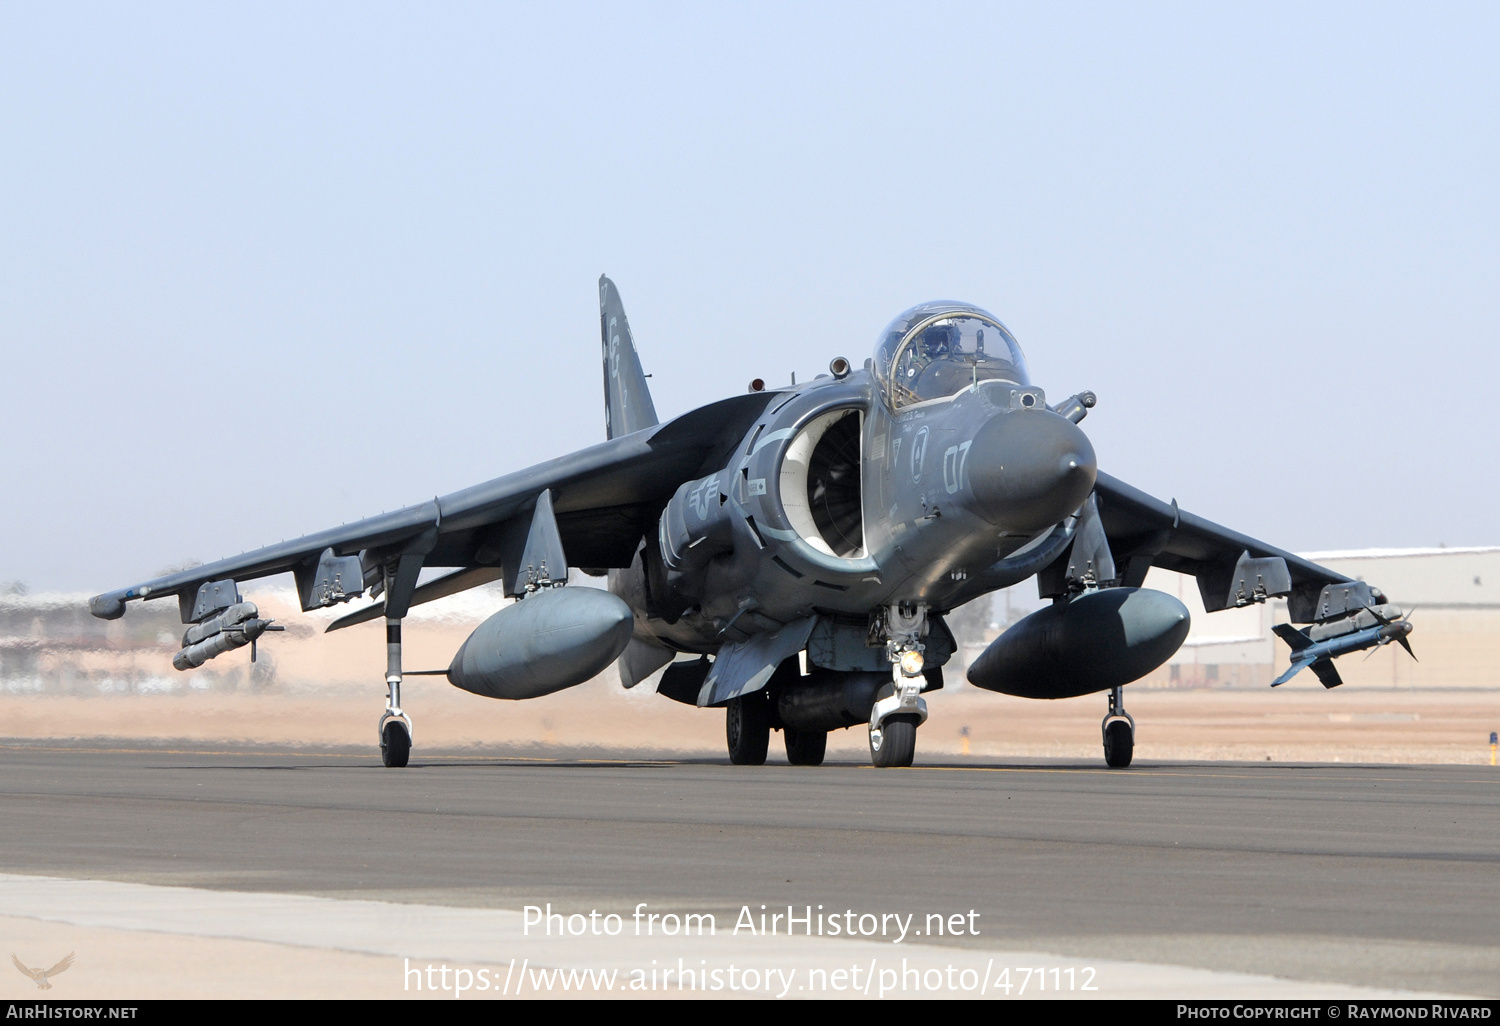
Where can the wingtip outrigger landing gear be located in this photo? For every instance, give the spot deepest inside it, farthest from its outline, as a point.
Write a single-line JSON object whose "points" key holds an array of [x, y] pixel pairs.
{"points": [[394, 728], [1119, 732], [398, 580]]}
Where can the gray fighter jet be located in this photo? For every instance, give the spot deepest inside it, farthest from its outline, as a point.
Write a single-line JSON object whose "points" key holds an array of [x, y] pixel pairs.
{"points": [[789, 554]]}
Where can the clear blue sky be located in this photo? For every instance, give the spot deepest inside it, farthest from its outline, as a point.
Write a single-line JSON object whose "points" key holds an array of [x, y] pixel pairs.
{"points": [[266, 268]]}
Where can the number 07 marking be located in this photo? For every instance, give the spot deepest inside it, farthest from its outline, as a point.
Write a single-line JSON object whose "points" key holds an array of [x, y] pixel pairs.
{"points": [[955, 461]]}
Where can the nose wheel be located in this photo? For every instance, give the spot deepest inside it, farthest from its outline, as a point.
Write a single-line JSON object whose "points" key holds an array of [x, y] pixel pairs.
{"points": [[894, 741], [1119, 732], [899, 710]]}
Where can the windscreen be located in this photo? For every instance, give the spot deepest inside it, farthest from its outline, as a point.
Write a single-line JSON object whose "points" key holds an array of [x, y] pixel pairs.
{"points": [[942, 355]]}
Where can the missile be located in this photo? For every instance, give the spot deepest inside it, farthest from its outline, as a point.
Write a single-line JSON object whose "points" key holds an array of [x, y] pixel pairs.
{"points": [[1320, 644], [236, 627]]}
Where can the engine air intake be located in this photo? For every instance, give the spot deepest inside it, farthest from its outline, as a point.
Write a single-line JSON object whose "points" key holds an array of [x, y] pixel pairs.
{"points": [[820, 484]]}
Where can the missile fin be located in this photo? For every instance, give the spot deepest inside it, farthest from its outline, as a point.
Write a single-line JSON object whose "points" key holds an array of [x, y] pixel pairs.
{"points": [[1292, 636], [1288, 675], [1327, 673], [1400, 639]]}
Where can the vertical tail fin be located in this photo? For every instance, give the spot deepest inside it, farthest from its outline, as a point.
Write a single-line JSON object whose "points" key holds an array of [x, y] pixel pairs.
{"points": [[627, 400]]}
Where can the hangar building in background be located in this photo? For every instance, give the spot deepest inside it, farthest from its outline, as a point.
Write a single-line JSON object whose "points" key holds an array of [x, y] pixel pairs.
{"points": [[1455, 593]]}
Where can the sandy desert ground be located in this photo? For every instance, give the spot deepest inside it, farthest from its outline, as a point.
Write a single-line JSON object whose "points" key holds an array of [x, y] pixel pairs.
{"points": [[1294, 723]]}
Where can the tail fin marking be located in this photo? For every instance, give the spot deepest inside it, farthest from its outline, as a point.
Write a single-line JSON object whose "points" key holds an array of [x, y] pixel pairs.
{"points": [[627, 400]]}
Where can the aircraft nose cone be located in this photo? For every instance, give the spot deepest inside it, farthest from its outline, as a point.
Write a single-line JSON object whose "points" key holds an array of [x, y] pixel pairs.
{"points": [[1028, 469]]}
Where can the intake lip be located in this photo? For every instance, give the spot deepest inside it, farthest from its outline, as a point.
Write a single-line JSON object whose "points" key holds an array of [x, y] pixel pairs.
{"points": [[1028, 469]]}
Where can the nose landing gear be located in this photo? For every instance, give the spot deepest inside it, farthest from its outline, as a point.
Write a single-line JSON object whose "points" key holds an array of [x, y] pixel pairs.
{"points": [[1119, 732], [899, 708]]}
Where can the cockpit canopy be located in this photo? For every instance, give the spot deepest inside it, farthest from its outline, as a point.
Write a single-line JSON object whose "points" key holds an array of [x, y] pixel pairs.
{"points": [[936, 350]]}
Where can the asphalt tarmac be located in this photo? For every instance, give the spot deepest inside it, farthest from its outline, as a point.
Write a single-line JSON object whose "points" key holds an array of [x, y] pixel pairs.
{"points": [[1385, 876]]}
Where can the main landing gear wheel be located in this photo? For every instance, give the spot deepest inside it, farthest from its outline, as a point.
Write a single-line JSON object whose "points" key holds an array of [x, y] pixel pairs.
{"points": [[747, 728], [395, 744], [805, 747], [894, 742]]}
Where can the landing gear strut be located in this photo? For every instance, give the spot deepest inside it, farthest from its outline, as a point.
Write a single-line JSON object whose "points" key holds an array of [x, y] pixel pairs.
{"points": [[394, 728], [1119, 732]]}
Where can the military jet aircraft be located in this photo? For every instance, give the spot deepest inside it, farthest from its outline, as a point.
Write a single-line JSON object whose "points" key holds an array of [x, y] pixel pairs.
{"points": [[789, 554]]}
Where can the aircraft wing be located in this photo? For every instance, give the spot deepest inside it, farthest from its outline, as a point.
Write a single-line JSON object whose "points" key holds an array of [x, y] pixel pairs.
{"points": [[603, 498], [1144, 532]]}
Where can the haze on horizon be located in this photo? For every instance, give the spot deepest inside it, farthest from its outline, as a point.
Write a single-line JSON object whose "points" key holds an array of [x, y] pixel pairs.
{"points": [[269, 268]]}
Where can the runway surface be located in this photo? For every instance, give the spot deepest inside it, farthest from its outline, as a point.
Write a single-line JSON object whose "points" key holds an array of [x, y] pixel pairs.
{"points": [[1377, 876]]}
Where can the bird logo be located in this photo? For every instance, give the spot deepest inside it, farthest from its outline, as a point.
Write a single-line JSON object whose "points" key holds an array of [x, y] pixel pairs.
{"points": [[41, 976]]}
